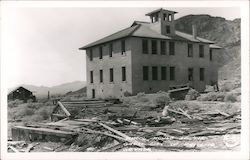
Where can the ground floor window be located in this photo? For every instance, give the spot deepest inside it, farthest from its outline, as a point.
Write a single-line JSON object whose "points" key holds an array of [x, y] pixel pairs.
{"points": [[202, 74], [145, 72], [123, 73], [172, 73], [154, 73]]}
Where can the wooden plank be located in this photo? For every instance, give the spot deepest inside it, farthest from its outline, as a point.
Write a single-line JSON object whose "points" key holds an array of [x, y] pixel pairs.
{"points": [[64, 109], [223, 113], [13, 149], [30, 147], [185, 113], [179, 113]]}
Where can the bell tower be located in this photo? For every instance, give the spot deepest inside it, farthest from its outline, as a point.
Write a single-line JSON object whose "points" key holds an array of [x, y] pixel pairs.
{"points": [[163, 21]]}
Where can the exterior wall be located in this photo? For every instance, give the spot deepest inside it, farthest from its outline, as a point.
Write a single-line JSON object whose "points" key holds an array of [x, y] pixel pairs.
{"points": [[21, 94], [109, 89], [180, 61]]}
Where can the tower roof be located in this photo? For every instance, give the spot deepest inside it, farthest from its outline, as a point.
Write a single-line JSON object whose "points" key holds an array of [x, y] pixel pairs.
{"points": [[159, 10]]}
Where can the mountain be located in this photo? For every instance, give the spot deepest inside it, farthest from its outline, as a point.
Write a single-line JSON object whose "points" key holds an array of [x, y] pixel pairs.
{"points": [[226, 33], [42, 91]]}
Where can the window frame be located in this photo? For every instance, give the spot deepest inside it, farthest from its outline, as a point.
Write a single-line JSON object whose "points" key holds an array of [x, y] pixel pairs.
{"points": [[91, 77], [163, 44], [111, 50], [172, 73], [163, 73], [190, 50], [145, 73], [210, 54], [123, 47], [202, 74], [145, 47], [201, 51], [90, 54], [111, 75], [171, 49], [154, 73], [153, 49], [100, 52], [192, 74], [168, 30], [101, 75], [124, 74]]}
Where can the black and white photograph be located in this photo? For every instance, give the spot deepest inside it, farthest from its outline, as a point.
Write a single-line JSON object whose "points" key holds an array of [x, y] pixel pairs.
{"points": [[87, 79]]}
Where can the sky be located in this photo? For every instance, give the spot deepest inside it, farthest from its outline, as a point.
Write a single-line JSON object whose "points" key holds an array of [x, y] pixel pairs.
{"points": [[40, 45]]}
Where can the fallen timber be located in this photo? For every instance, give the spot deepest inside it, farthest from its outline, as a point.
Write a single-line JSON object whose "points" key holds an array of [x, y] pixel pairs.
{"points": [[127, 129]]}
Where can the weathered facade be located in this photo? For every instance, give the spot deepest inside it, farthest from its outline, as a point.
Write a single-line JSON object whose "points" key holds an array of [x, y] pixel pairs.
{"points": [[149, 57], [21, 93]]}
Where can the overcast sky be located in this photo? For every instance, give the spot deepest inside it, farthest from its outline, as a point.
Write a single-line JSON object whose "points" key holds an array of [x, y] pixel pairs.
{"points": [[41, 44]]}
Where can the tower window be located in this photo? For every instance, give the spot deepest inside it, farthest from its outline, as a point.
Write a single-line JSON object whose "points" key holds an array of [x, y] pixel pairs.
{"points": [[202, 70], [190, 74], [163, 47], [154, 47], [169, 17], [190, 50], [211, 54], [171, 48], [110, 50], [201, 50], [90, 54], [111, 75], [123, 46], [163, 73], [154, 73], [164, 16], [145, 46], [167, 29], [91, 77], [123, 73], [100, 52], [145, 72], [101, 76], [172, 73]]}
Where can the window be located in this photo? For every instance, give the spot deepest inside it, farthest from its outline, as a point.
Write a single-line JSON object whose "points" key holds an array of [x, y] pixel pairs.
{"points": [[201, 50], [171, 48], [145, 72], [190, 74], [163, 47], [163, 73], [101, 76], [90, 55], [91, 77], [154, 73], [145, 46], [202, 70], [111, 75], [154, 47], [123, 73], [100, 52], [211, 54], [123, 46], [110, 50], [172, 73], [190, 50], [167, 29], [164, 16]]}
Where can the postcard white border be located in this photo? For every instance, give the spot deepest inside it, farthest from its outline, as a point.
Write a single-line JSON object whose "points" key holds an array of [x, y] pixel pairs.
{"points": [[243, 154]]}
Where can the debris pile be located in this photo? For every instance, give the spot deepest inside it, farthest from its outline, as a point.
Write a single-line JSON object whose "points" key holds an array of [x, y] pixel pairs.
{"points": [[105, 128]]}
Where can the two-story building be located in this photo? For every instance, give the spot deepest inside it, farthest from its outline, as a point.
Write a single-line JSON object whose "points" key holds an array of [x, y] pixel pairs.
{"points": [[149, 57]]}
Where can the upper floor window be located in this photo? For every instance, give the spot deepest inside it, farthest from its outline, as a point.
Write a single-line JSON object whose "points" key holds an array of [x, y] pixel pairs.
{"points": [[190, 50], [164, 16], [167, 29], [110, 50], [123, 46], [154, 47], [145, 46], [211, 54], [101, 76], [145, 73], [111, 75], [171, 48], [123, 73], [170, 17], [91, 77], [201, 50], [90, 54], [163, 47], [100, 52]]}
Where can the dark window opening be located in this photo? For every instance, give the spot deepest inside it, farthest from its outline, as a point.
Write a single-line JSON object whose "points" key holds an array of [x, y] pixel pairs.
{"points": [[169, 17], [110, 50], [111, 75], [101, 76], [202, 72], [171, 48], [154, 73], [123, 73], [154, 47], [163, 47], [211, 54], [163, 73], [172, 73], [168, 29], [91, 77], [145, 72], [90, 55], [201, 50], [100, 52], [123, 46], [145, 46], [190, 74], [164, 16], [190, 50], [93, 93]]}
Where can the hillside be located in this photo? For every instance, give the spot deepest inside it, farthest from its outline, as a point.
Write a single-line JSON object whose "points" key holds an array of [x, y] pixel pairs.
{"points": [[225, 33], [42, 91]]}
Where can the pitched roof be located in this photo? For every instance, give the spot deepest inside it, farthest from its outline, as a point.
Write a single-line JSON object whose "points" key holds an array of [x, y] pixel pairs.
{"points": [[158, 10], [213, 46], [142, 29], [14, 89]]}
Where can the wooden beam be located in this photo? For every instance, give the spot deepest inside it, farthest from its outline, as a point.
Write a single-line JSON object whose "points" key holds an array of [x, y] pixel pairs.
{"points": [[64, 109]]}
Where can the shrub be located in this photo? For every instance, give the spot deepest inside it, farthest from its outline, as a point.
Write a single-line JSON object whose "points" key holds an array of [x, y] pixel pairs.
{"points": [[14, 103], [162, 99], [192, 94], [230, 97], [24, 111], [212, 96], [127, 94], [141, 94]]}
